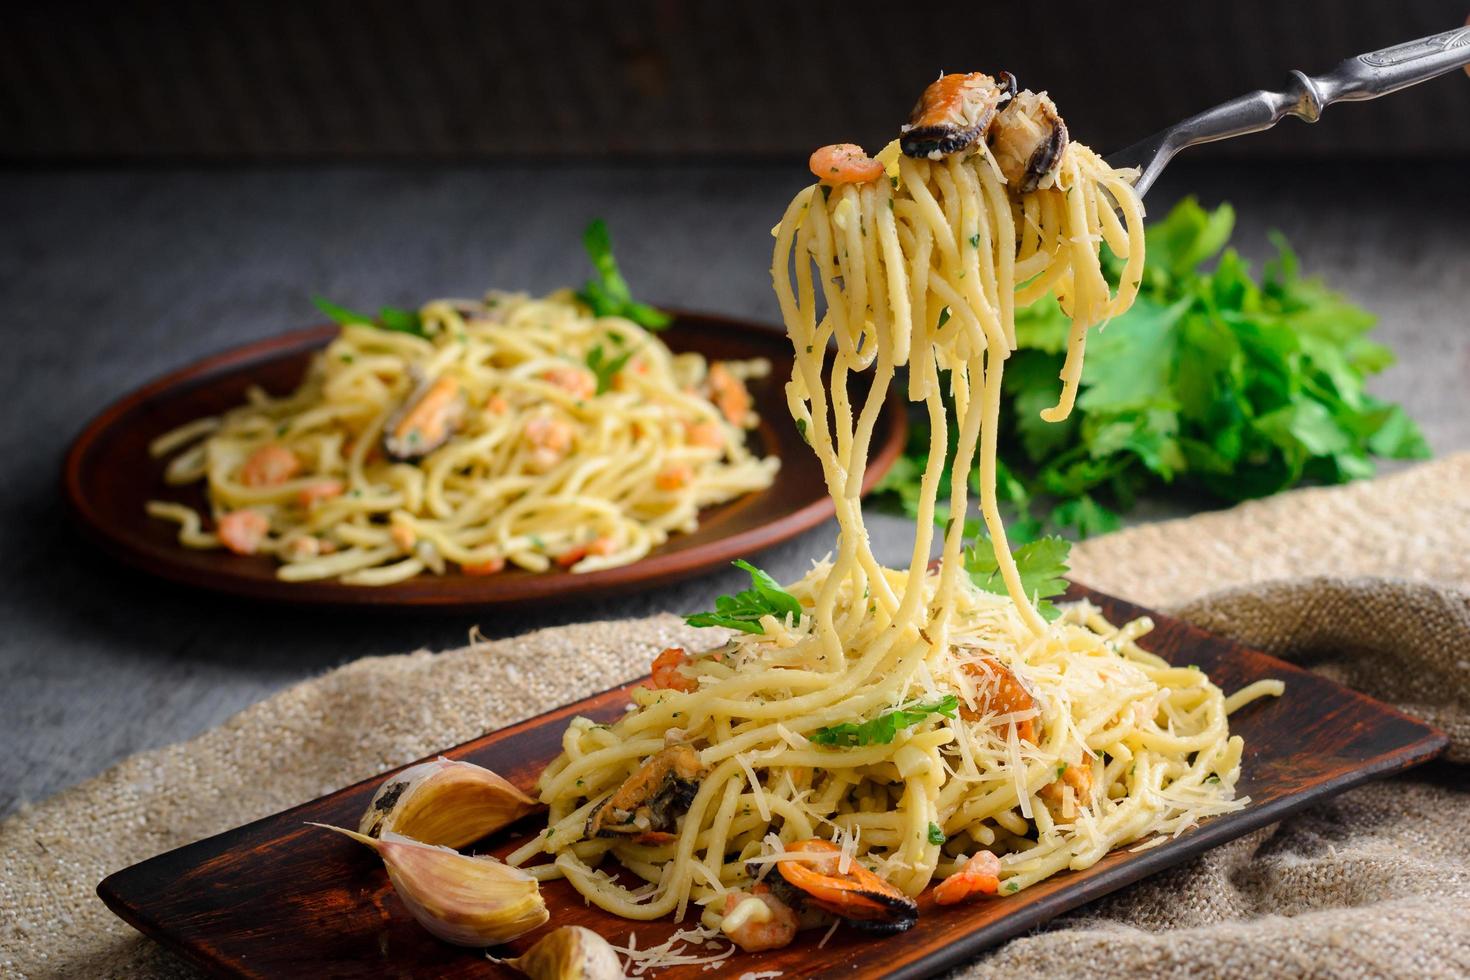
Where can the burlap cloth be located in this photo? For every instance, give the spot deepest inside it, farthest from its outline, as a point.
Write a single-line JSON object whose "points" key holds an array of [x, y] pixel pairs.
{"points": [[1369, 583]]}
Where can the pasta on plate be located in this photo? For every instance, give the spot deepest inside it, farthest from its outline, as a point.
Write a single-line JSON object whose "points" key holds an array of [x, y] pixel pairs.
{"points": [[869, 734], [505, 431]]}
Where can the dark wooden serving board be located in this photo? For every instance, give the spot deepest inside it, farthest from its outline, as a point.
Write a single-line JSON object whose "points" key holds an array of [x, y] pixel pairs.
{"points": [[108, 477], [276, 898]]}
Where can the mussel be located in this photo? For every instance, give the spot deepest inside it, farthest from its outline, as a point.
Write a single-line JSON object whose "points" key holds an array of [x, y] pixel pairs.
{"points": [[954, 113], [857, 895], [1027, 139], [429, 416], [647, 804]]}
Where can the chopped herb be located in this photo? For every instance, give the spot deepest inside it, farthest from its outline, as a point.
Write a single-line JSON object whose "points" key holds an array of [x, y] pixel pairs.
{"points": [[801, 428], [282, 428], [1212, 778], [1061, 769], [388, 318], [936, 834], [608, 294], [943, 316], [883, 729], [606, 368], [345, 358], [743, 611], [1012, 886], [537, 542], [1042, 563], [975, 240]]}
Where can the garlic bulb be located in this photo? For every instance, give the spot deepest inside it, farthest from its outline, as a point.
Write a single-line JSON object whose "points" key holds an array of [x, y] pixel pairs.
{"points": [[468, 901], [570, 953], [444, 802]]}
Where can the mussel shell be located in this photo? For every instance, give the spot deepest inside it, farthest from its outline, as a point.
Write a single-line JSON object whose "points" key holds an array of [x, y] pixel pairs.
{"points": [[1045, 157]]}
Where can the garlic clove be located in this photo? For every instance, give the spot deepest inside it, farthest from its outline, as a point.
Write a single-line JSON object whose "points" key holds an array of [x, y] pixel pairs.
{"points": [[570, 953], [446, 802], [464, 900]]}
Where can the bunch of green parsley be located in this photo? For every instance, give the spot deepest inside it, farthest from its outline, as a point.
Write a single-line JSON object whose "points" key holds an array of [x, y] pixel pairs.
{"points": [[1215, 379]]}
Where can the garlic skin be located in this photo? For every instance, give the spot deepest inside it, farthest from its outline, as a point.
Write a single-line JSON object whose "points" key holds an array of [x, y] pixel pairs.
{"points": [[445, 802], [570, 953], [464, 900]]}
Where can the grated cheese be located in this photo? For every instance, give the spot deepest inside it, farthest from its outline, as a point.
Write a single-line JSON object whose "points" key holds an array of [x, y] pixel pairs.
{"points": [[674, 951]]}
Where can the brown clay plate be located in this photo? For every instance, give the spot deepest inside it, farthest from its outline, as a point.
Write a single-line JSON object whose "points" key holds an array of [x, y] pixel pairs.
{"points": [[108, 477], [276, 898]]}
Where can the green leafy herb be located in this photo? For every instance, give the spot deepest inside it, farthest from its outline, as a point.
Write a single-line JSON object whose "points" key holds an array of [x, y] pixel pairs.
{"points": [[936, 834], [1042, 563], [743, 611], [388, 318], [608, 294], [606, 368], [1218, 379], [883, 729]]}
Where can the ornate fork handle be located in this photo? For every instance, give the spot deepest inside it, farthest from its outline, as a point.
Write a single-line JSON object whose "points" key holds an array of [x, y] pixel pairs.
{"points": [[1366, 76]]}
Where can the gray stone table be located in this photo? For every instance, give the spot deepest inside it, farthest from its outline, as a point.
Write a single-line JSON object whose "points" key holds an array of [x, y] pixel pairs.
{"points": [[108, 278]]}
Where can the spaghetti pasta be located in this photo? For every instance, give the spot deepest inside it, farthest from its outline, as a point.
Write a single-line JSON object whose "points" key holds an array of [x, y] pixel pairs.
{"points": [[527, 431], [931, 731]]}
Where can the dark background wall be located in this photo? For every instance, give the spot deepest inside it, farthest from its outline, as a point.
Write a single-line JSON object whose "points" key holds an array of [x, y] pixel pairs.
{"points": [[172, 81]]}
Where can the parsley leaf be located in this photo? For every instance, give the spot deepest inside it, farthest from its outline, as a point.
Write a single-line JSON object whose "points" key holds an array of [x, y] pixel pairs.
{"points": [[883, 729], [388, 318], [1042, 563], [936, 834], [606, 368], [608, 293], [743, 611], [1219, 379]]}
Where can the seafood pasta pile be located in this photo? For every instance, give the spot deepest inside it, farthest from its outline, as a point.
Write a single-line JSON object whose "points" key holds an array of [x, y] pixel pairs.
{"points": [[870, 733], [508, 430]]}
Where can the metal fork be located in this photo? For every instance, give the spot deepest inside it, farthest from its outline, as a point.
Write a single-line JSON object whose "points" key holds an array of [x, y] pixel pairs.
{"points": [[1357, 79]]}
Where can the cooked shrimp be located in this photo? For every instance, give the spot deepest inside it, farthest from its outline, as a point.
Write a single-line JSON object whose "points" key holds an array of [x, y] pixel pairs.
{"points": [[675, 476], [495, 405], [489, 566], [1004, 695], [269, 466], [574, 554], [428, 418], [844, 163], [1077, 777], [403, 535], [953, 114], [574, 381], [728, 393], [242, 530], [707, 435], [757, 920], [978, 876], [666, 674], [858, 895], [550, 440], [320, 490]]}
